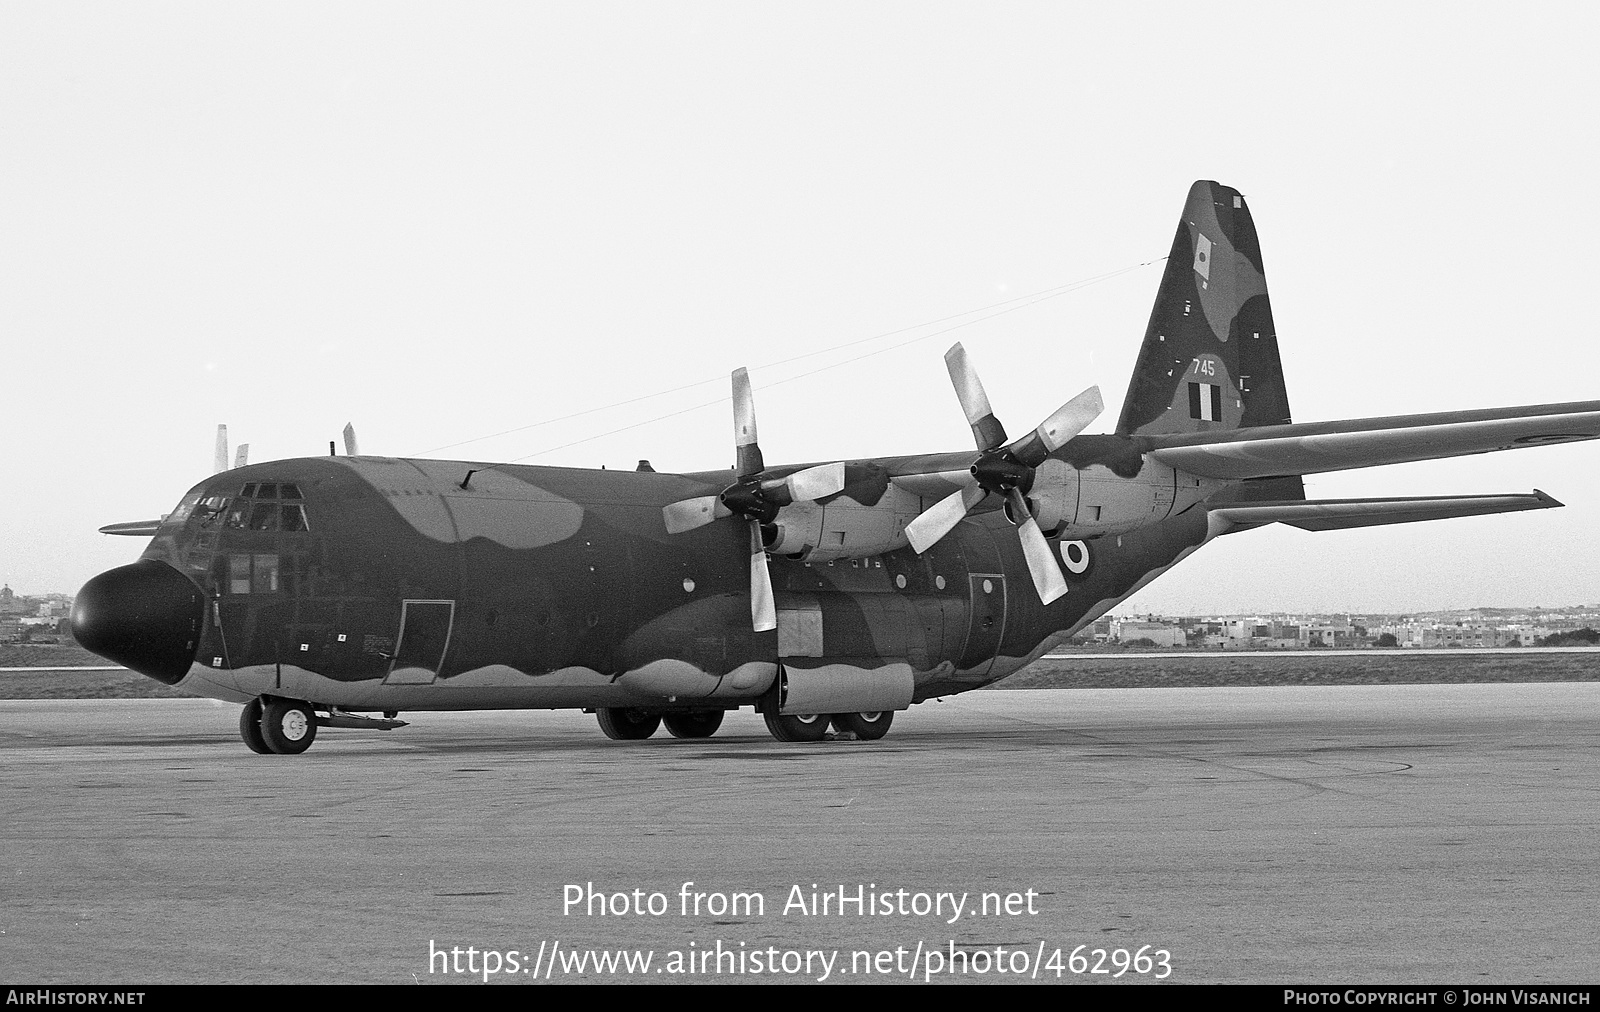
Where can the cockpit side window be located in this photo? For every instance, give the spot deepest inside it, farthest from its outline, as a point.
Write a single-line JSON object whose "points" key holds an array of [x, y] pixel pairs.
{"points": [[181, 512]]}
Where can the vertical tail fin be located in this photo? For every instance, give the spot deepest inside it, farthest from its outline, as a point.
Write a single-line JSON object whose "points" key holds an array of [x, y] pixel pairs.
{"points": [[1210, 355]]}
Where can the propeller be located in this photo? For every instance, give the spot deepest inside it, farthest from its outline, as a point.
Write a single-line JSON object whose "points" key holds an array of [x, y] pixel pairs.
{"points": [[755, 497], [219, 457], [1006, 469]]}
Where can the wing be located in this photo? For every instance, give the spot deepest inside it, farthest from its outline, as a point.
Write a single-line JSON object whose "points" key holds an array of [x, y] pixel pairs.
{"points": [[133, 529], [1272, 450], [1342, 514]]}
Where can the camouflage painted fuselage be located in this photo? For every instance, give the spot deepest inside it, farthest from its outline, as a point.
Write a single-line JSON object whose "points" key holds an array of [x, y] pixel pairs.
{"points": [[397, 589]]}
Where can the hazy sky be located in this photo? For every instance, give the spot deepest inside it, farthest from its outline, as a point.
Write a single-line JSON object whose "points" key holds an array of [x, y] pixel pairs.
{"points": [[443, 221]]}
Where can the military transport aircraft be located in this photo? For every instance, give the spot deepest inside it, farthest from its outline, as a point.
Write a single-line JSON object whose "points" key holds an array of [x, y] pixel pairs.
{"points": [[321, 590]]}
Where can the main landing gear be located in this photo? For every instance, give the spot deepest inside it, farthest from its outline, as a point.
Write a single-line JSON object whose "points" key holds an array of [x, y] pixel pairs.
{"points": [[624, 724], [814, 726], [273, 726], [634, 725]]}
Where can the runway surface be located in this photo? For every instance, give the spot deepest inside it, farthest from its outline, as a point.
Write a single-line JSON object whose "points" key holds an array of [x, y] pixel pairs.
{"points": [[1416, 833]]}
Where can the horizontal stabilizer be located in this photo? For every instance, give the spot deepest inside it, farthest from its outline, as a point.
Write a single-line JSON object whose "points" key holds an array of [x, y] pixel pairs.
{"points": [[134, 529], [1342, 514], [1273, 450]]}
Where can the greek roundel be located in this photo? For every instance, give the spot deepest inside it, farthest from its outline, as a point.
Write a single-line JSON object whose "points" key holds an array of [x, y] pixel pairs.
{"points": [[1202, 256]]}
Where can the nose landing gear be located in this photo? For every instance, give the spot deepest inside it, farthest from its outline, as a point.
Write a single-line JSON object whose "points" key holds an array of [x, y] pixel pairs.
{"points": [[273, 726]]}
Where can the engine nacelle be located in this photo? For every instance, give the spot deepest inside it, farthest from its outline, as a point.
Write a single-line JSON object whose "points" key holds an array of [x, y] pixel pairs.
{"points": [[1095, 501], [844, 528]]}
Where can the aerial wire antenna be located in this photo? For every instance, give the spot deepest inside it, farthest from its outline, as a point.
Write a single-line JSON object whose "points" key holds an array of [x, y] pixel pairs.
{"points": [[1001, 309], [1030, 299]]}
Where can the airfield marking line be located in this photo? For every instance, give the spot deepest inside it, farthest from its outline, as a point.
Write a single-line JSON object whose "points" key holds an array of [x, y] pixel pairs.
{"points": [[1386, 652], [70, 667]]}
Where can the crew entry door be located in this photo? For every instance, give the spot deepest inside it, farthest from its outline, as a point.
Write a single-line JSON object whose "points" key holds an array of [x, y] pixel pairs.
{"points": [[424, 637]]}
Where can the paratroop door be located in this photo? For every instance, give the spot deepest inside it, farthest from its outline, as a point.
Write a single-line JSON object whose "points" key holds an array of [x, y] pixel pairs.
{"points": [[424, 637]]}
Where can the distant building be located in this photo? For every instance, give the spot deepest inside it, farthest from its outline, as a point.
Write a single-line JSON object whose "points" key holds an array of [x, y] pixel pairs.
{"points": [[1160, 633]]}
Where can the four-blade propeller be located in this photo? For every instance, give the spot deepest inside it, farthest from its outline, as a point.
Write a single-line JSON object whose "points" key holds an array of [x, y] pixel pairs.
{"points": [[219, 457], [1006, 469], [756, 497]]}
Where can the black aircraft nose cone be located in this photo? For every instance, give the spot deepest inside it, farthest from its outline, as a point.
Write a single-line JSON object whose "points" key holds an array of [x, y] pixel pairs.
{"points": [[146, 616]]}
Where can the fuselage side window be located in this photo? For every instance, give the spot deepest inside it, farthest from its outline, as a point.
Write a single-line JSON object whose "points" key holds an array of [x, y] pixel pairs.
{"points": [[264, 576], [253, 574]]}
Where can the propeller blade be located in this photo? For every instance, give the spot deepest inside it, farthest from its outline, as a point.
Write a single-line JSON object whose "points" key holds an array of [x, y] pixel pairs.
{"points": [[986, 428], [816, 482], [941, 518], [763, 611], [219, 457], [1067, 421], [242, 458], [1070, 419], [350, 440], [744, 426], [687, 514], [1041, 561]]}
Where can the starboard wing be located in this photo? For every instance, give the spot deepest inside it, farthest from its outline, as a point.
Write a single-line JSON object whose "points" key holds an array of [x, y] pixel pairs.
{"points": [[1273, 450]]}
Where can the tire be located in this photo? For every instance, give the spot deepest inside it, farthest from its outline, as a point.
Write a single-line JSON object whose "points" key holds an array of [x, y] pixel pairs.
{"points": [[865, 726], [250, 727], [698, 724], [288, 727], [797, 727], [627, 725]]}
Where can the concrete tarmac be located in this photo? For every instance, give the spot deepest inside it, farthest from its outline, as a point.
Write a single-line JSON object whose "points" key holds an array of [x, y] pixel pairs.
{"points": [[1351, 834]]}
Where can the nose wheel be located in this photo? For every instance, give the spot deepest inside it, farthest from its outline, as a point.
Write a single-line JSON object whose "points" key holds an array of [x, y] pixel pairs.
{"points": [[278, 726], [250, 728]]}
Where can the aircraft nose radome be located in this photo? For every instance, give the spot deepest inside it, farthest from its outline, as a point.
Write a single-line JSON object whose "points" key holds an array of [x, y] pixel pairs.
{"points": [[146, 615]]}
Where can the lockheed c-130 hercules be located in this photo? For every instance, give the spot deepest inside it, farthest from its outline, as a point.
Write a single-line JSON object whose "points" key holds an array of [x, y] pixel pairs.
{"points": [[319, 589]]}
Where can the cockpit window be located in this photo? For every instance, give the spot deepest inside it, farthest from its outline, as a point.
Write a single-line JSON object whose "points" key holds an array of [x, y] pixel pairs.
{"points": [[264, 517], [181, 512], [266, 510], [294, 517]]}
